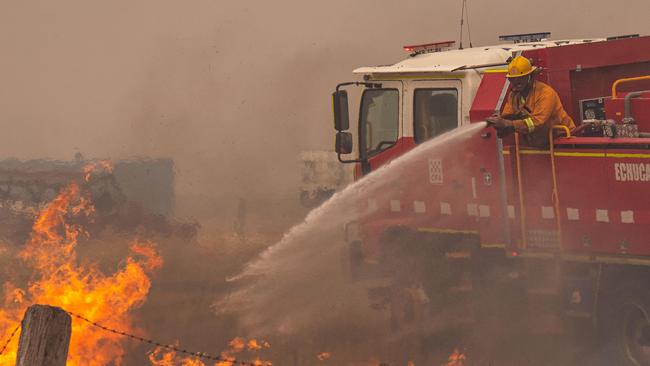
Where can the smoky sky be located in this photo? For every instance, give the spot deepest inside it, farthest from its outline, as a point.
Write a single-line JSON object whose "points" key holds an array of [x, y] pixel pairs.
{"points": [[232, 91]]}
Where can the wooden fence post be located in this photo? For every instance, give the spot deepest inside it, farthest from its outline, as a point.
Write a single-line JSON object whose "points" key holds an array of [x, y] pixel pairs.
{"points": [[45, 337]]}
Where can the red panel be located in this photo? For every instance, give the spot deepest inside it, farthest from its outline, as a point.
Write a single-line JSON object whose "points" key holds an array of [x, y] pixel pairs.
{"points": [[537, 187], [402, 145], [460, 198], [582, 191], [487, 96], [599, 54], [595, 83], [615, 109], [486, 175], [628, 203]]}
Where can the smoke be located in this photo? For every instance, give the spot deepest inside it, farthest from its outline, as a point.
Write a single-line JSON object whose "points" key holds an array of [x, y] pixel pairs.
{"points": [[231, 91], [301, 288]]}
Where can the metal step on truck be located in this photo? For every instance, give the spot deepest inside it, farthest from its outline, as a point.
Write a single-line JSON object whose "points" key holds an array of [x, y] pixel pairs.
{"points": [[489, 226]]}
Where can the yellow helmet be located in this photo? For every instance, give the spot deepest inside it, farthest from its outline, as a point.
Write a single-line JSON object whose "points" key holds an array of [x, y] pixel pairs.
{"points": [[520, 66]]}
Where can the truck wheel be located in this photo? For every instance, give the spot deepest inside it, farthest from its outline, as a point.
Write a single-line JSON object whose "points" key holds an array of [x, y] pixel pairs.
{"points": [[632, 330], [396, 261], [352, 260], [419, 277]]}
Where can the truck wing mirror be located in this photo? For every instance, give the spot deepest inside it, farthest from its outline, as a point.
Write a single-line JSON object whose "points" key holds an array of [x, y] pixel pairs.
{"points": [[341, 117], [343, 142]]}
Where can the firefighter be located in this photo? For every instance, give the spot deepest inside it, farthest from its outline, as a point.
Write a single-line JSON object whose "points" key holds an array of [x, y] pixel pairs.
{"points": [[532, 107]]}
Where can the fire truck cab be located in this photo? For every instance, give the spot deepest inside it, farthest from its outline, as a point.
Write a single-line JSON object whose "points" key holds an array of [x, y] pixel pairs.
{"points": [[568, 223], [427, 94]]}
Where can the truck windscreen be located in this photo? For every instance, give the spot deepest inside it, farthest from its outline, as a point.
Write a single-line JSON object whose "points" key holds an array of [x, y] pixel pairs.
{"points": [[379, 119]]}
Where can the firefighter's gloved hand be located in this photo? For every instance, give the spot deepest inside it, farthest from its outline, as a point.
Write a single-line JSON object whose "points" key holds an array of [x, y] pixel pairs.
{"points": [[498, 123], [503, 126]]}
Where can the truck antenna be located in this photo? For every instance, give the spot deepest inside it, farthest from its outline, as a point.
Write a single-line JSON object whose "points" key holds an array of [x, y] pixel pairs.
{"points": [[462, 18], [464, 10], [469, 29]]}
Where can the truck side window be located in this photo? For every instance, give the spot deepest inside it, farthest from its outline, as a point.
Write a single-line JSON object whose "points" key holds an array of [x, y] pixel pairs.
{"points": [[434, 111], [379, 119]]}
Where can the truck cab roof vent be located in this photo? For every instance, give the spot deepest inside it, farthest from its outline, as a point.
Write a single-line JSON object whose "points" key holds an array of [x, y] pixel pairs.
{"points": [[525, 37]]}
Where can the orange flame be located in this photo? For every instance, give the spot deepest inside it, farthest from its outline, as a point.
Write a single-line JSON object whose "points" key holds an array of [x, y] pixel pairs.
{"points": [[161, 357], [60, 280], [89, 169], [323, 356], [456, 358], [254, 345]]}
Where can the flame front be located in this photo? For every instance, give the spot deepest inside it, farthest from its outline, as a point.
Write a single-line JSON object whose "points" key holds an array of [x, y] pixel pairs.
{"points": [[457, 358], [59, 279], [160, 357], [96, 166], [323, 356]]}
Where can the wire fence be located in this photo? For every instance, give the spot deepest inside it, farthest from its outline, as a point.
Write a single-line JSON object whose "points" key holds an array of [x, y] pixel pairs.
{"points": [[4, 347], [202, 355], [170, 347]]}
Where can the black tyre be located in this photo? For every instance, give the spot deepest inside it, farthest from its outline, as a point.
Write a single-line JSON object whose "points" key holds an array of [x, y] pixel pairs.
{"points": [[624, 327], [633, 330]]}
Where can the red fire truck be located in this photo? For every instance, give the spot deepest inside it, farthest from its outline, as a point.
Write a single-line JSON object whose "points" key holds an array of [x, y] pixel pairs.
{"points": [[559, 233]]}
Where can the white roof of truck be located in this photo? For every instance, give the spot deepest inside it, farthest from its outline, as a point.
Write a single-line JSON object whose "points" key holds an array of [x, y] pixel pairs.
{"points": [[452, 60]]}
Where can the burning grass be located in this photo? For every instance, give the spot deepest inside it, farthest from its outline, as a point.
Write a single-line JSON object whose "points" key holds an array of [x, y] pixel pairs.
{"points": [[108, 295], [236, 347], [457, 358], [60, 279]]}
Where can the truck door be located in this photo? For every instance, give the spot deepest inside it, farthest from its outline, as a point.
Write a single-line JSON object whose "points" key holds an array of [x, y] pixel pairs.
{"points": [[380, 124], [436, 108]]}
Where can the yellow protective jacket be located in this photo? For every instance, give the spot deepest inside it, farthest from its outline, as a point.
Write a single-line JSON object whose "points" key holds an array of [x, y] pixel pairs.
{"points": [[540, 110]]}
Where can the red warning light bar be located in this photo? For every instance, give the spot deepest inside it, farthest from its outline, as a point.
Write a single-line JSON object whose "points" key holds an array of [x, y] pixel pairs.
{"points": [[429, 47]]}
